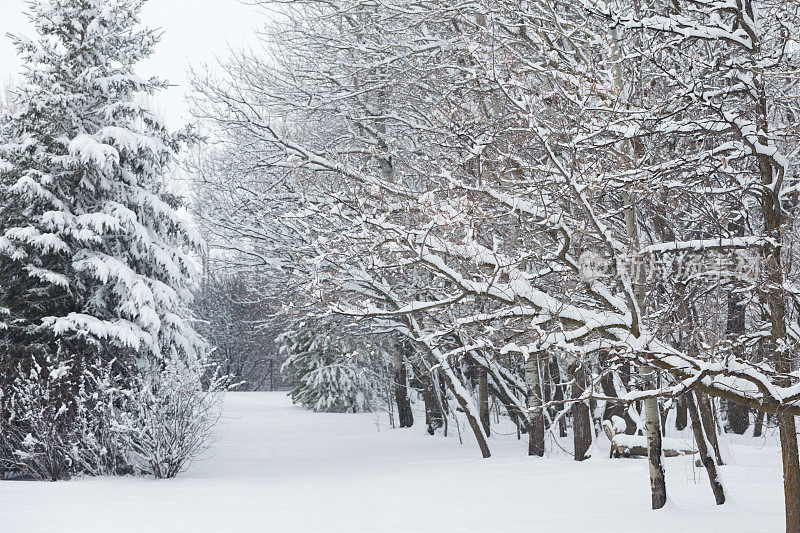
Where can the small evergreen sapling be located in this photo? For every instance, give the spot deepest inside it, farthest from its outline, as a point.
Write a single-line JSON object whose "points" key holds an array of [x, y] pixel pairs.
{"points": [[326, 381]]}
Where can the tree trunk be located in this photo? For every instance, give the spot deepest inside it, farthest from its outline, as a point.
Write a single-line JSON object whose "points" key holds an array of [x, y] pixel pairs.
{"points": [[738, 415], [681, 411], [759, 427], [709, 426], [404, 414], [652, 428], [612, 408], [702, 448], [483, 400], [652, 425], [468, 407], [534, 403], [517, 411], [433, 411], [772, 174], [558, 396], [581, 418], [791, 472], [271, 374]]}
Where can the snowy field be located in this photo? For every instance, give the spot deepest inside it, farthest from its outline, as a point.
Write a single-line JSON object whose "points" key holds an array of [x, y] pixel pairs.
{"points": [[280, 468]]}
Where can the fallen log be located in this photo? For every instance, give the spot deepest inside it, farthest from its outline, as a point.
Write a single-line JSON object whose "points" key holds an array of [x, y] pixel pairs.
{"points": [[623, 445]]}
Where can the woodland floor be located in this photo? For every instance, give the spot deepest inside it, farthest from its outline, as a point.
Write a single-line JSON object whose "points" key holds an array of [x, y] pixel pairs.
{"points": [[280, 468]]}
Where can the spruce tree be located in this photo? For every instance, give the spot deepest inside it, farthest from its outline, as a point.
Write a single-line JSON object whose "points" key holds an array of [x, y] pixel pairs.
{"points": [[93, 253], [323, 380]]}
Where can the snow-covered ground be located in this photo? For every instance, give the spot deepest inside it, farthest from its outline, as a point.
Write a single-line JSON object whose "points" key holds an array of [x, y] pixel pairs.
{"points": [[280, 468]]}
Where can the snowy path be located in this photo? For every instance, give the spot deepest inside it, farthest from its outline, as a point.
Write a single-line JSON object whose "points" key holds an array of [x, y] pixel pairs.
{"points": [[279, 468]]}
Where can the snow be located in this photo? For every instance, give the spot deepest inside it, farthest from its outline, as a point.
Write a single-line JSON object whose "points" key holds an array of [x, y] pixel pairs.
{"points": [[278, 467], [631, 441], [89, 150]]}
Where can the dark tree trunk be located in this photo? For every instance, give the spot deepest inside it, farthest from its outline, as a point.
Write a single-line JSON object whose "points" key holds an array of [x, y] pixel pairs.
{"points": [[772, 174], [581, 422], [534, 402], [759, 427], [738, 418], [404, 414], [738, 415], [442, 394], [271, 374], [433, 410], [680, 414], [581, 417], [709, 425], [483, 400], [702, 448], [791, 472]]}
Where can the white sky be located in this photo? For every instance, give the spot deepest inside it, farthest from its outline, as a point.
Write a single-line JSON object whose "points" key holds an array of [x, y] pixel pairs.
{"points": [[195, 32]]}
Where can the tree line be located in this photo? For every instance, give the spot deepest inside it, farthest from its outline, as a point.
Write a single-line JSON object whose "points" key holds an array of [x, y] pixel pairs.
{"points": [[583, 209]]}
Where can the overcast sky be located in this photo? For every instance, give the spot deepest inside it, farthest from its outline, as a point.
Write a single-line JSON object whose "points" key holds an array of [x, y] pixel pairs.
{"points": [[195, 31]]}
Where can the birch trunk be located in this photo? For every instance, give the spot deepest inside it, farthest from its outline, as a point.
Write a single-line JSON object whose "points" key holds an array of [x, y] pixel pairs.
{"points": [[658, 486], [652, 429]]}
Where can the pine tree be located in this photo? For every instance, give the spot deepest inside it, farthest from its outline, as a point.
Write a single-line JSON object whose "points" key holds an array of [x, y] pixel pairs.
{"points": [[93, 253], [325, 382]]}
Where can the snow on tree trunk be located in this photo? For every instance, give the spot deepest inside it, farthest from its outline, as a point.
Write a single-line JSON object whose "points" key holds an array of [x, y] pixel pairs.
{"points": [[706, 408]]}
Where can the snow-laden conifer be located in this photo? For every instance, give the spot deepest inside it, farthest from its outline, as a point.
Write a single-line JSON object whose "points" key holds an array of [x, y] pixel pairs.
{"points": [[97, 242], [94, 253], [325, 381]]}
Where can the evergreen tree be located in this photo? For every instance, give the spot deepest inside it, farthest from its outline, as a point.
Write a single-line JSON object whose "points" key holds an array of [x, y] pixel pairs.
{"points": [[93, 253], [325, 381]]}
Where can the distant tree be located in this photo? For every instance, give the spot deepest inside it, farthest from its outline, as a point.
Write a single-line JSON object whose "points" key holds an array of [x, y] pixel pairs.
{"points": [[325, 378], [241, 326]]}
